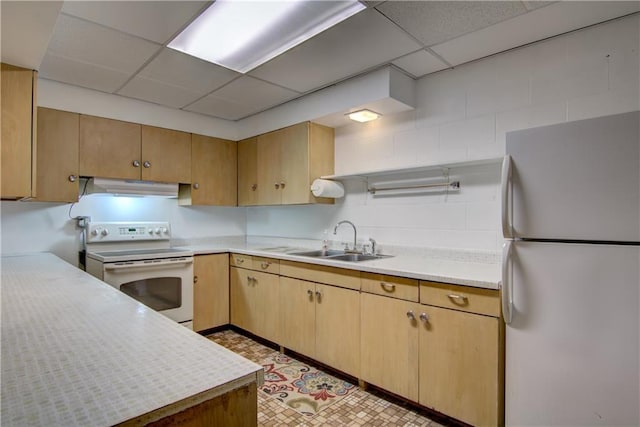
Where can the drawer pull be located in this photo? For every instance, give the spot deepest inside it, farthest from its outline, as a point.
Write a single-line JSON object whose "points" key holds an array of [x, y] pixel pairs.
{"points": [[389, 287], [265, 265], [239, 260], [458, 299]]}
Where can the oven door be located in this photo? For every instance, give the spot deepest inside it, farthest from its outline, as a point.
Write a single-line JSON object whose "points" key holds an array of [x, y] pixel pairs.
{"points": [[165, 285]]}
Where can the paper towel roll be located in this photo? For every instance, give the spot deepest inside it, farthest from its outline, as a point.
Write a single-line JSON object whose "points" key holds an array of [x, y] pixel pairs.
{"points": [[326, 188]]}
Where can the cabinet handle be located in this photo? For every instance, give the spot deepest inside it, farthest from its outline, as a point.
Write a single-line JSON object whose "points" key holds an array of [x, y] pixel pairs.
{"points": [[195, 279], [254, 187], [411, 315], [462, 299], [72, 178], [389, 287], [424, 317], [196, 185], [146, 164], [276, 185], [281, 184], [239, 260], [265, 265], [309, 292], [318, 295], [136, 163]]}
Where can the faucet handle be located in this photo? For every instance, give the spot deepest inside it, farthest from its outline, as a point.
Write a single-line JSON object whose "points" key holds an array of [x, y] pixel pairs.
{"points": [[346, 245]]}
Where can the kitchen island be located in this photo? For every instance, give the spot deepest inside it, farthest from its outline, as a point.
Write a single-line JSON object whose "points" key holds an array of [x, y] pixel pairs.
{"points": [[76, 351]]}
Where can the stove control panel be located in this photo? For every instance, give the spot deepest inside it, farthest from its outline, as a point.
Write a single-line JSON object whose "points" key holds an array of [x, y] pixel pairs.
{"points": [[126, 231]]}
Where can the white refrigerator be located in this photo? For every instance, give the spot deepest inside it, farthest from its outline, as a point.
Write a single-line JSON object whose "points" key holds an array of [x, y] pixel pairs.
{"points": [[571, 273]]}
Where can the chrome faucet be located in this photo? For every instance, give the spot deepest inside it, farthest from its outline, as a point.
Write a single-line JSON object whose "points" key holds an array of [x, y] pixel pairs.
{"points": [[355, 234]]}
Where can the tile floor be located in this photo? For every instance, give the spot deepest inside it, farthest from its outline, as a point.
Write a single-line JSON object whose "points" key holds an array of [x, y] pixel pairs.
{"points": [[359, 408]]}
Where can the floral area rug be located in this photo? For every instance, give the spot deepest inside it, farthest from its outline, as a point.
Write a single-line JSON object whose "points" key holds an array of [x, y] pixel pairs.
{"points": [[301, 387]]}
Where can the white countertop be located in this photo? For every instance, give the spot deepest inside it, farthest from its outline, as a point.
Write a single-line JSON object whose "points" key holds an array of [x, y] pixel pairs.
{"points": [[421, 265], [76, 351]]}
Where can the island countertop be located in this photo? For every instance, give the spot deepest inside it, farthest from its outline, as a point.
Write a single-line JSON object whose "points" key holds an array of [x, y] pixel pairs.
{"points": [[76, 351]]}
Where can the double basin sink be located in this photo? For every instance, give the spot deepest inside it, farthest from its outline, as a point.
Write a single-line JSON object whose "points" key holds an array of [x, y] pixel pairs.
{"points": [[340, 255]]}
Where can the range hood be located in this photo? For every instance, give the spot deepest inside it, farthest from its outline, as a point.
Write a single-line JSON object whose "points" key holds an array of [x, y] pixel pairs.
{"points": [[131, 187]]}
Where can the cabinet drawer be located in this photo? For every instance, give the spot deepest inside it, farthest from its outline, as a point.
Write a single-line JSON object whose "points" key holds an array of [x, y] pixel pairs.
{"points": [[391, 286], [321, 274], [465, 298], [239, 260], [268, 265]]}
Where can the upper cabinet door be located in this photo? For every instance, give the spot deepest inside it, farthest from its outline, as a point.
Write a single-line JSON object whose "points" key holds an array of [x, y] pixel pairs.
{"points": [[109, 148], [214, 171], [166, 155], [248, 172], [294, 174], [57, 159], [18, 133], [269, 168]]}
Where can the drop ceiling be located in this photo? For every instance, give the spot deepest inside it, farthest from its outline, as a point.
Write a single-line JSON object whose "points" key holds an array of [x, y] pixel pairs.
{"points": [[119, 47]]}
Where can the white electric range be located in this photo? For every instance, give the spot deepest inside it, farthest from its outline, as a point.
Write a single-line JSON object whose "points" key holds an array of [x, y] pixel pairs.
{"points": [[137, 259]]}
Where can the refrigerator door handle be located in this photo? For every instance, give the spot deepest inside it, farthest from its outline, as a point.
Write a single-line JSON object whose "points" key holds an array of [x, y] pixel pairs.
{"points": [[505, 186], [506, 284]]}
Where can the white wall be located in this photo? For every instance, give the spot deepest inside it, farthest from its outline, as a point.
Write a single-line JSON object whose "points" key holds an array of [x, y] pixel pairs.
{"points": [[38, 226], [464, 114]]}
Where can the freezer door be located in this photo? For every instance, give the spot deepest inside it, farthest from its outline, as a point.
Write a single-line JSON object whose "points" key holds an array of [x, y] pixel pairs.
{"points": [[578, 180], [572, 345]]}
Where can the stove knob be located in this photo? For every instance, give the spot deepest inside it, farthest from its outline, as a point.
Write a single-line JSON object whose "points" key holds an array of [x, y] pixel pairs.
{"points": [[157, 231], [105, 232], [165, 230], [94, 232], [151, 231]]}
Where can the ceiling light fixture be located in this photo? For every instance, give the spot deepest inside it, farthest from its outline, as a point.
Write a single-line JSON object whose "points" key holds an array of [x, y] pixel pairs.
{"points": [[242, 35], [363, 116]]}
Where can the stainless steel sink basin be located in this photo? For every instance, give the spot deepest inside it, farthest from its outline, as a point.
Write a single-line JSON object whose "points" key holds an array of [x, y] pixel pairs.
{"points": [[357, 257], [319, 253], [338, 255]]}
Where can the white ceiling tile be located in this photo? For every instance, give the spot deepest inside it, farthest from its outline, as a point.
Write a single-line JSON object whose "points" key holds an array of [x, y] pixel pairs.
{"points": [[359, 43], [91, 43], [420, 63], [153, 20], [216, 107], [158, 92], [536, 25], [82, 74], [26, 29], [433, 22], [179, 69], [252, 92]]}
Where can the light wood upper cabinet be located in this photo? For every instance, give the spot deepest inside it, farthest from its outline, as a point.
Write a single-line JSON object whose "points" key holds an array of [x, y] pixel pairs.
{"points": [[109, 148], [278, 167], [214, 173], [166, 155], [19, 119], [248, 172], [122, 150], [459, 366], [210, 291], [57, 164]]}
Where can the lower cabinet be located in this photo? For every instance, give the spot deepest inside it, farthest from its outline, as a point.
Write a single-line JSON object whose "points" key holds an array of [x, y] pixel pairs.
{"points": [[255, 302], [459, 369], [390, 344], [210, 291], [322, 322]]}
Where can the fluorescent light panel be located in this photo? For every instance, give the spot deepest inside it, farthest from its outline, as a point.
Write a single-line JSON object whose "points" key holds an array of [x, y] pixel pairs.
{"points": [[242, 35], [363, 116]]}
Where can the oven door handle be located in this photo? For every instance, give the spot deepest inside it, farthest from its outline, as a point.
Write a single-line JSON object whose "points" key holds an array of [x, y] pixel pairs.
{"points": [[116, 266]]}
